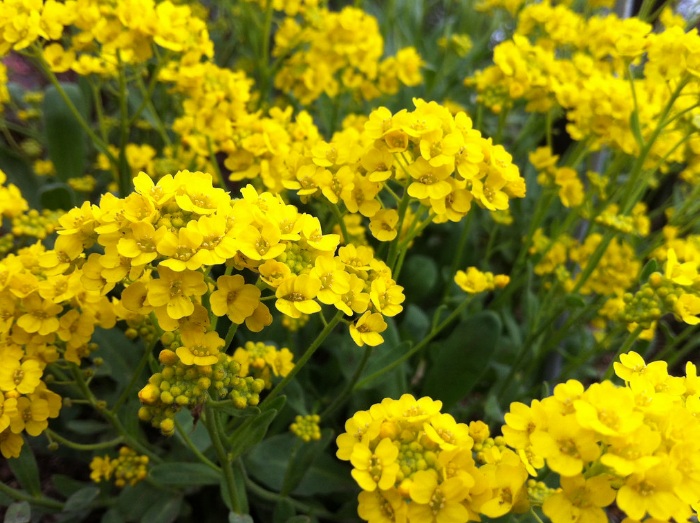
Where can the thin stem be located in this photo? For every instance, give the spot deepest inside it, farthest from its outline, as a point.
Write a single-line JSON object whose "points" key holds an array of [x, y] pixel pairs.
{"points": [[341, 222], [623, 348], [304, 358], [18, 495], [215, 429], [190, 444], [53, 436], [135, 376], [454, 315], [347, 390]]}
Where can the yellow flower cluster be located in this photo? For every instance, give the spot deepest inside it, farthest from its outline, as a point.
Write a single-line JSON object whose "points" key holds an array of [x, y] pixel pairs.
{"points": [[333, 53], [103, 34], [263, 361], [614, 274], [416, 464], [440, 160], [12, 204], [561, 60], [126, 469], [306, 428], [636, 444], [46, 314], [473, 281]]}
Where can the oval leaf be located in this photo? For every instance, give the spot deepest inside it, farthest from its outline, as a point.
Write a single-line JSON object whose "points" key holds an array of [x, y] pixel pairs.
{"points": [[19, 512], [462, 359], [64, 136], [81, 499]]}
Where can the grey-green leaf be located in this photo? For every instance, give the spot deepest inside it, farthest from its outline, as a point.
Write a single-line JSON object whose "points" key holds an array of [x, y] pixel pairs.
{"points": [[462, 359]]}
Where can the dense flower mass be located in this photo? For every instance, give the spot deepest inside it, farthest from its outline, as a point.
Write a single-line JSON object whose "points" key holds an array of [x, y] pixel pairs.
{"points": [[635, 446], [240, 222]]}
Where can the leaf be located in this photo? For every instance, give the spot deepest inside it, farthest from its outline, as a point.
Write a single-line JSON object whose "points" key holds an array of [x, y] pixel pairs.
{"points": [[575, 301], [649, 268], [119, 353], [229, 408], [463, 358], [57, 196], [164, 510], [302, 460], [414, 323], [284, 510], [26, 471], [419, 277], [66, 486], [239, 518], [134, 502], [268, 462], [247, 436], [64, 136], [81, 499], [184, 474], [19, 512], [299, 519]]}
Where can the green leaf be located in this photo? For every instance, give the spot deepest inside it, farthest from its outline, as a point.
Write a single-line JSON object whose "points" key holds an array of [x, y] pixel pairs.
{"points": [[64, 136], [574, 301], [164, 510], [112, 516], [649, 268], [229, 408], [301, 461], [415, 323], [57, 196], [19, 512], [249, 435], [636, 129], [66, 486], [120, 354], [299, 519], [81, 499], [239, 518], [26, 471], [463, 358], [184, 474], [134, 502], [269, 460], [284, 510], [419, 277]]}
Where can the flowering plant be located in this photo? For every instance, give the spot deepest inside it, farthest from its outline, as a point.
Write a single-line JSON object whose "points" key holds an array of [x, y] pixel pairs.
{"points": [[277, 261]]}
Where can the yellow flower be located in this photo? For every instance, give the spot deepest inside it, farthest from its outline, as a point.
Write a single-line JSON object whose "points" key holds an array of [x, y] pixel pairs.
{"points": [[23, 377], [652, 492], [234, 298], [375, 469], [199, 348], [367, 329], [41, 316], [566, 446], [580, 499], [32, 415], [295, 296], [382, 506], [383, 225], [437, 503], [172, 291]]}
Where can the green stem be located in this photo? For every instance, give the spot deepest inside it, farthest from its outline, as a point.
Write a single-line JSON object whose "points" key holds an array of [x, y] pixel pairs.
{"points": [[18, 495], [124, 171], [457, 257], [454, 315], [215, 429], [229, 335], [190, 444], [304, 358], [101, 145], [341, 222], [623, 348], [83, 446], [347, 390], [135, 376]]}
